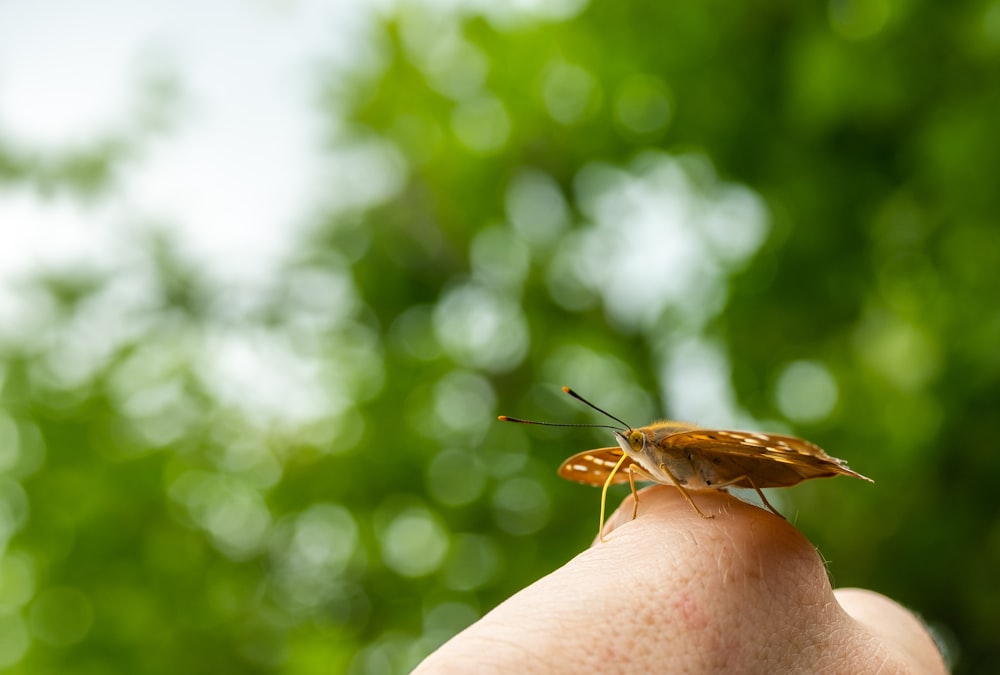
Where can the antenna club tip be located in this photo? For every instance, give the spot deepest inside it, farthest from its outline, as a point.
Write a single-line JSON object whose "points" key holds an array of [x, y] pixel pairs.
{"points": [[566, 390], [502, 418]]}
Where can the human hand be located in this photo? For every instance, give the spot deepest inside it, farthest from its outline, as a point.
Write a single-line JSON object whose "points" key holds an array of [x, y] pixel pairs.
{"points": [[672, 592]]}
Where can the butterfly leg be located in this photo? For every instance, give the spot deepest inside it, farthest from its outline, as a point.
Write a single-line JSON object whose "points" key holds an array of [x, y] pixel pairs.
{"points": [[635, 495], [759, 492], [764, 499], [687, 496], [633, 471]]}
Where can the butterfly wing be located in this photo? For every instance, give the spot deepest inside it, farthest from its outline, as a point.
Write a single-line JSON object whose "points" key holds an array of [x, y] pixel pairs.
{"points": [[592, 467], [769, 460]]}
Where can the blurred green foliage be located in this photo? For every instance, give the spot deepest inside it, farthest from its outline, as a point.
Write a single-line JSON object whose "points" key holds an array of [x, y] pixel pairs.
{"points": [[776, 214]]}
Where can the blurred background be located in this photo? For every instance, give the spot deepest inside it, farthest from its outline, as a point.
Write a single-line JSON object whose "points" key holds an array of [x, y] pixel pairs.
{"points": [[269, 270]]}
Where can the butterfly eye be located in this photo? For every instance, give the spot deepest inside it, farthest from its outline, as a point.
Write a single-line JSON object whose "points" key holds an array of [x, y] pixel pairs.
{"points": [[636, 439]]}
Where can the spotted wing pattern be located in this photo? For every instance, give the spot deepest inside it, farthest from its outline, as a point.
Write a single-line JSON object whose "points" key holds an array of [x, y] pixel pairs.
{"points": [[770, 460], [593, 466]]}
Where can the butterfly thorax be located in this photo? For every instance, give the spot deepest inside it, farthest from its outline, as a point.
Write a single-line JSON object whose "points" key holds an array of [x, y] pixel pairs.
{"points": [[650, 447]]}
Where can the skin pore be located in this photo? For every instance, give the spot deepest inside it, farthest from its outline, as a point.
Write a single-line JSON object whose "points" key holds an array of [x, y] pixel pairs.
{"points": [[673, 592]]}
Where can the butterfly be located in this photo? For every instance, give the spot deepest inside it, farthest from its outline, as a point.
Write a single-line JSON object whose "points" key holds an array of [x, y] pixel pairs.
{"points": [[690, 457]]}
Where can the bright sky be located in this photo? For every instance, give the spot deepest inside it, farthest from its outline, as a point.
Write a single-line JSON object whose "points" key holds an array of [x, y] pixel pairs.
{"points": [[240, 170]]}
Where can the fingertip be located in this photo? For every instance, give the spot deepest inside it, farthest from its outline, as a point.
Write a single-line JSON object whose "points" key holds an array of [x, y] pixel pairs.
{"points": [[737, 537]]}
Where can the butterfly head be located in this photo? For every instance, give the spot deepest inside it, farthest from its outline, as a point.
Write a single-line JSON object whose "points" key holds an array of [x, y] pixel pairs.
{"points": [[632, 441]]}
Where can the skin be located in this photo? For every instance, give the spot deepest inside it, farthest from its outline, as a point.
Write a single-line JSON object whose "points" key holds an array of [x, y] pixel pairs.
{"points": [[673, 592]]}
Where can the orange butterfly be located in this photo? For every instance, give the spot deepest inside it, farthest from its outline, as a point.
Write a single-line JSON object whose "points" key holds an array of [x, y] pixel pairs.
{"points": [[692, 458]]}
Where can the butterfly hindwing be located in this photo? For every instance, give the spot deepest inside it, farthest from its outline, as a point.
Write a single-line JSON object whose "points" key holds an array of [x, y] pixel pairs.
{"points": [[592, 467]]}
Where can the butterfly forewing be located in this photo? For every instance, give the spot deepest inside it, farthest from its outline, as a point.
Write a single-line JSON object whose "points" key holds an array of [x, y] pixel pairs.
{"points": [[594, 466], [770, 460]]}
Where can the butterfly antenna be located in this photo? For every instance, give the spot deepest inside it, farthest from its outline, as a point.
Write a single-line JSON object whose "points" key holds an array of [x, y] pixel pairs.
{"points": [[504, 418], [603, 412]]}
